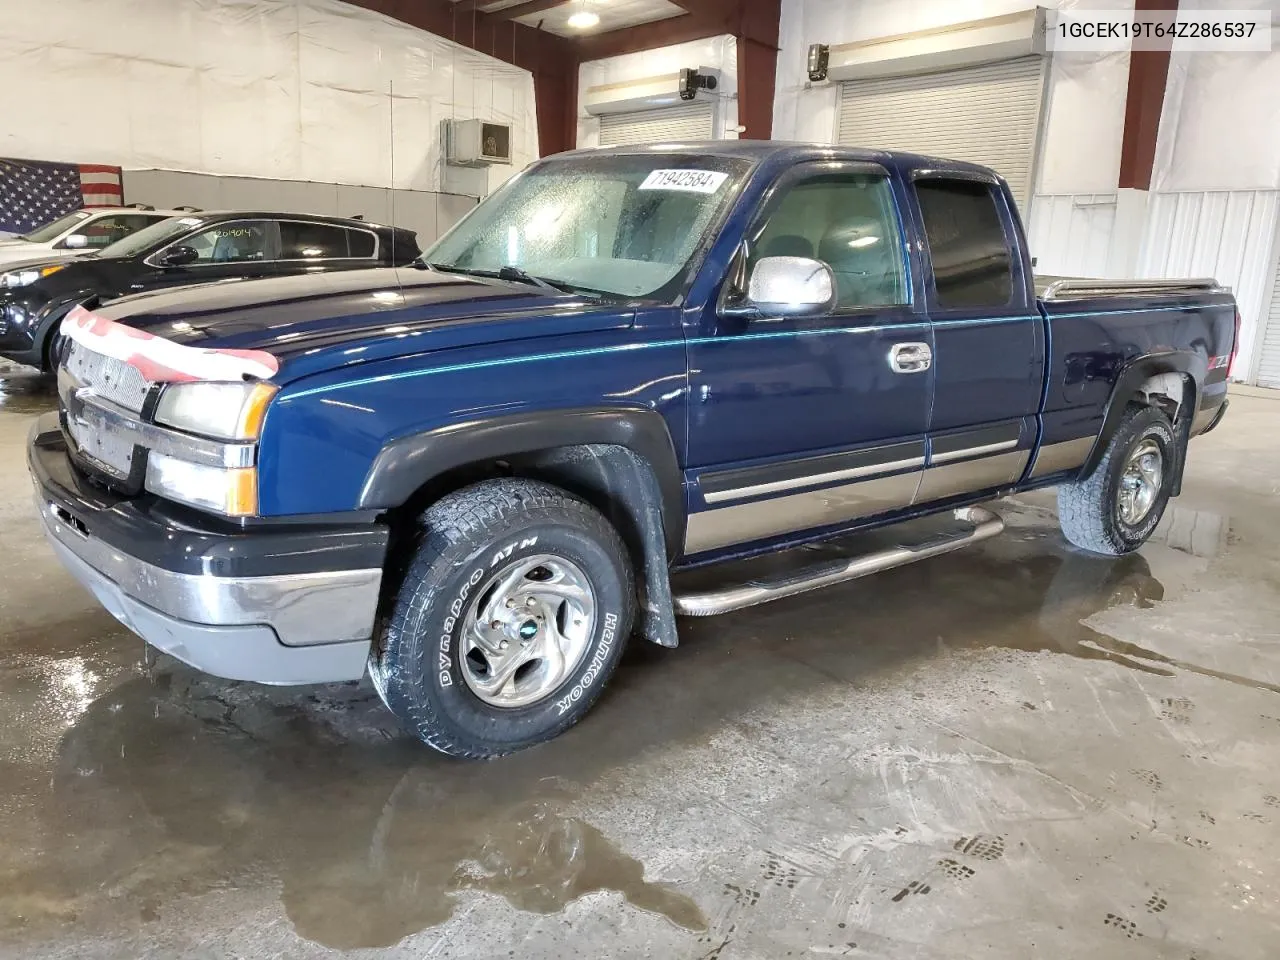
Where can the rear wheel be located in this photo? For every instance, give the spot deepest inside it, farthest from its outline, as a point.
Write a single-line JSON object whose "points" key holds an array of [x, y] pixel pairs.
{"points": [[511, 618], [1117, 507]]}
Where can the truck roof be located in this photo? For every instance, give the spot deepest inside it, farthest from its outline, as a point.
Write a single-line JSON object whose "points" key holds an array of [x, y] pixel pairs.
{"points": [[785, 152]]}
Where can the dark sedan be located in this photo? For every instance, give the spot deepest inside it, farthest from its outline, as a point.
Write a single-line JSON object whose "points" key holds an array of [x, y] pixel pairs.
{"points": [[200, 248]]}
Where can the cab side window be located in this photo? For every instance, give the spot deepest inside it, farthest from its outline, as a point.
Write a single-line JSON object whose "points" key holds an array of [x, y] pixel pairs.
{"points": [[235, 242], [972, 264], [848, 221]]}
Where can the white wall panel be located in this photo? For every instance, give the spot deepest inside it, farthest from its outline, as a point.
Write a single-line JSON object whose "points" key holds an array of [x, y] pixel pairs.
{"points": [[1220, 127], [1070, 234], [717, 52], [1227, 235], [288, 89]]}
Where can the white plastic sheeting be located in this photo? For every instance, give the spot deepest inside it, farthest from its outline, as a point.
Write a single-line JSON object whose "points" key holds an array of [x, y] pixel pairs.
{"points": [[1085, 121], [294, 89], [716, 52], [1220, 129]]}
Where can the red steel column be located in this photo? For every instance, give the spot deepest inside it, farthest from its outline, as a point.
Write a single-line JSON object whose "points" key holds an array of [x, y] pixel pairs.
{"points": [[1148, 73]]}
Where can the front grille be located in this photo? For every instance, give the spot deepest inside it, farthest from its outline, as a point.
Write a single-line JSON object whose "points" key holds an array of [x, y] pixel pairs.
{"points": [[103, 448], [109, 378]]}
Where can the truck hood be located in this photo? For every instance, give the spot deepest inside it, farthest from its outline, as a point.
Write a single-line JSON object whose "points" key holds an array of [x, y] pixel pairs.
{"points": [[322, 321]]}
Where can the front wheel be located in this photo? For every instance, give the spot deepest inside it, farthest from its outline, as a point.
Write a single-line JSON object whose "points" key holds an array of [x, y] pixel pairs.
{"points": [[1117, 507], [511, 618]]}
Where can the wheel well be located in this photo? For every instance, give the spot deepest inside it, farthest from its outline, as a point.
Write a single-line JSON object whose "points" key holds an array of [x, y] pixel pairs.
{"points": [[1170, 392], [612, 478], [1175, 395]]}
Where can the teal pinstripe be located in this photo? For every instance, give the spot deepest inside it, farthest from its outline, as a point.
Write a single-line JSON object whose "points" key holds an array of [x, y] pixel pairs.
{"points": [[700, 341]]}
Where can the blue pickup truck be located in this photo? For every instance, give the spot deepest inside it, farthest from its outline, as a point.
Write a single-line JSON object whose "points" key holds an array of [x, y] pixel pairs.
{"points": [[474, 478]]}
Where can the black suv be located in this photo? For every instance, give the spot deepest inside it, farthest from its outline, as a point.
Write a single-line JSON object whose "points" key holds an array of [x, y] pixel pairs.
{"points": [[200, 248]]}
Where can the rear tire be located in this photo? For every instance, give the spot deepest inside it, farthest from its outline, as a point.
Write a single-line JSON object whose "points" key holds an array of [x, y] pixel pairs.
{"points": [[512, 616], [1118, 506]]}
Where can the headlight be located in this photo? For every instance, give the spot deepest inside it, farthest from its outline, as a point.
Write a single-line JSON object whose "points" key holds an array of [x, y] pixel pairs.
{"points": [[23, 278], [231, 411], [226, 411], [231, 492]]}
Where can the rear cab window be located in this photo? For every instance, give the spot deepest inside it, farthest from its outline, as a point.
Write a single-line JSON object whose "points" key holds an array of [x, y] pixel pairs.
{"points": [[972, 261]]}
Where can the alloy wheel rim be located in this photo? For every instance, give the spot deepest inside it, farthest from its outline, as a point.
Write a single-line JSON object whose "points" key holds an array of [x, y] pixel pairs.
{"points": [[1140, 482], [527, 630]]}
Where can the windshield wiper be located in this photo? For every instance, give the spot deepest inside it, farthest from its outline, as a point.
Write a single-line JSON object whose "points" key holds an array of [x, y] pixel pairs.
{"points": [[516, 275], [524, 276]]}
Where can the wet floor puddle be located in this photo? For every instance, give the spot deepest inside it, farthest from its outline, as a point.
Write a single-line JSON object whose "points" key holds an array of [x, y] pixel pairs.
{"points": [[26, 391], [175, 785]]}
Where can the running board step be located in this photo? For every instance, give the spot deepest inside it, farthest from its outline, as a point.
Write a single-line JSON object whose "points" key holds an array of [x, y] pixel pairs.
{"points": [[983, 525]]}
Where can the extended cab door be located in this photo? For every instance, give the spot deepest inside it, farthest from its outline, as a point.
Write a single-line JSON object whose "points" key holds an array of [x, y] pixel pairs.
{"points": [[988, 335], [810, 422]]}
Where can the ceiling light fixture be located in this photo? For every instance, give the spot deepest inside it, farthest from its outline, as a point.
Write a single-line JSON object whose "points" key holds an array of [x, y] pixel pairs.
{"points": [[584, 20]]}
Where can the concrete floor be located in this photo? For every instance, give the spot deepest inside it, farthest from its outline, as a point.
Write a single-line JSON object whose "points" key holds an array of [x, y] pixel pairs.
{"points": [[1009, 752]]}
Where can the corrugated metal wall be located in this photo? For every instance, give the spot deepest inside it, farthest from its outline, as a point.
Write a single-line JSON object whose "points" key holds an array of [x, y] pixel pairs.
{"points": [[1268, 365], [1224, 234], [1070, 234]]}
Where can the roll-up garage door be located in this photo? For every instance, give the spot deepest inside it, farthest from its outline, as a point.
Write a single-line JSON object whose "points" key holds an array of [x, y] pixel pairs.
{"points": [[687, 121], [1269, 361], [987, 114]]}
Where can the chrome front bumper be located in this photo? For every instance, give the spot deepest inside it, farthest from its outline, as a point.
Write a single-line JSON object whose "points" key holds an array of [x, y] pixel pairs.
{"points": [[288, 629]]}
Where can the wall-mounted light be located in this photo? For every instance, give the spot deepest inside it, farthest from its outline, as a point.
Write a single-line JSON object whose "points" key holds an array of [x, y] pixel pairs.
{"points": [[819, 57], [691, 81]]}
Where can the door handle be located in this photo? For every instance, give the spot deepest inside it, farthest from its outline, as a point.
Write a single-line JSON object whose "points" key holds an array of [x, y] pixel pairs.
{"points": [[910, 357]]}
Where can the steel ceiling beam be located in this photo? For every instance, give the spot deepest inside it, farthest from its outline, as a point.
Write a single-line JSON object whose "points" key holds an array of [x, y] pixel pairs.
{"points": [[526, 8]]}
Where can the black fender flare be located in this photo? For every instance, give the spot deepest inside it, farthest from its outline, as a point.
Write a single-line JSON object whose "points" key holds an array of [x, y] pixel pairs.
{"points": [[404, 465], [1137, 372], [53, 315]]}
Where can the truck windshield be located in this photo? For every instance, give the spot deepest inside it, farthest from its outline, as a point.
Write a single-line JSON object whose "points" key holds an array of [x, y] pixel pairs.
{"points": [[627, 226]]}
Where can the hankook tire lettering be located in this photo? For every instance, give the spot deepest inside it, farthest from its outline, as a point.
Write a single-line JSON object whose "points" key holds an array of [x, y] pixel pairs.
{"points": [[594, 668]]}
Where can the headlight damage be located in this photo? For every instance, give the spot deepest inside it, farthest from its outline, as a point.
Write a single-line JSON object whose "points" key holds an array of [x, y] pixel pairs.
{"points": [[210, 412]]}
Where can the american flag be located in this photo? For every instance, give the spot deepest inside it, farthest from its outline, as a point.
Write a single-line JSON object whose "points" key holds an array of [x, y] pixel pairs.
{"points": [[33, 192]]}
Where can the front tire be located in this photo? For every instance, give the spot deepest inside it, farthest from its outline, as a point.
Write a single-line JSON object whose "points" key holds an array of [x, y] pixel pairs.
{"points": [[1118, 506], [512, 616]]}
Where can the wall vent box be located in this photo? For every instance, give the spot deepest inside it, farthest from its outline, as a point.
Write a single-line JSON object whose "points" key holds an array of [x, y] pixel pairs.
{"points": [[478, 143]]}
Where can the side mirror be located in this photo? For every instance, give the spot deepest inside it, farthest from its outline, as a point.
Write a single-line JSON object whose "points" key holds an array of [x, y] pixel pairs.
{"points": [[792, 287], [178, 256], [77, 241]]}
